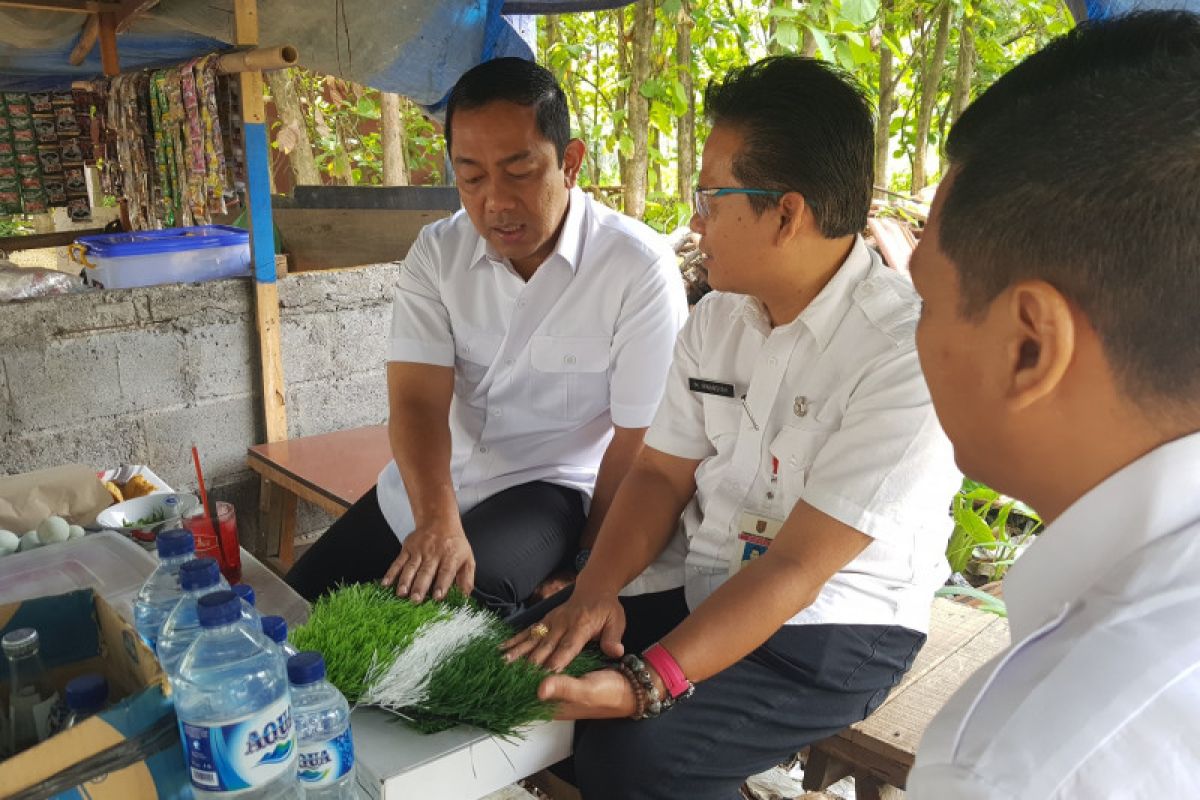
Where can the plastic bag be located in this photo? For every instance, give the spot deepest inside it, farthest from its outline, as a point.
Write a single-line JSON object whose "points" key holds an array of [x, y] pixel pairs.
{"points": [[21, 283]]}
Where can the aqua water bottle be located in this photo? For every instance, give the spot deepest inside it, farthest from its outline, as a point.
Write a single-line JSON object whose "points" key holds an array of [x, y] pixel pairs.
{"points": [[234, 708], [160, 593], [322, 718]]}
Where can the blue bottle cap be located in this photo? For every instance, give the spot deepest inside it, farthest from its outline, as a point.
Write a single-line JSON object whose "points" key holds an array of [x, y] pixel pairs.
{"points": [[244, 591], [219, 608], [173, 543], [306, 667], [87, 692], [199, 573], [275, 628]]}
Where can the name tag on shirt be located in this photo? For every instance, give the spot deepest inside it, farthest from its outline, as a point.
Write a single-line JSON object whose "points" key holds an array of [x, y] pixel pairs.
{"points": [[711, 387], [755, 534]]}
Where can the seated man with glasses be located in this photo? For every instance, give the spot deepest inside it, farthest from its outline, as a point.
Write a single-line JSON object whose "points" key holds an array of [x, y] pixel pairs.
{"points": [[777, 543]]}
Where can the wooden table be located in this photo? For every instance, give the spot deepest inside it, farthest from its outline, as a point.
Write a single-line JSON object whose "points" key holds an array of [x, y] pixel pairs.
{"points": [[331, 471], [880, 750]]}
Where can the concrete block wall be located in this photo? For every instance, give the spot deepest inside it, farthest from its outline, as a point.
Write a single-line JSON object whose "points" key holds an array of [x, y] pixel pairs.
{"points": [[137, 376]]}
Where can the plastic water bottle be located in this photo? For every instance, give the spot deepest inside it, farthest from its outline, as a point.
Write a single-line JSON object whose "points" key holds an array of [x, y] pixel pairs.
{"points": [[322, 719], [160, 593], [86, 695], [197, 577], [233, 706], [249, 612], [276, 630]]}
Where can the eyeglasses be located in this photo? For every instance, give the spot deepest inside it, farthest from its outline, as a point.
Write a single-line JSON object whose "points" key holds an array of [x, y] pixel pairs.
{"points": [[701, 197]]}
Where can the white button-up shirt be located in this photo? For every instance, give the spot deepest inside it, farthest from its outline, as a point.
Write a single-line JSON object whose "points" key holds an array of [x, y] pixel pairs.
{"points": [[1099, 696], [836, 399], [542, 369]]}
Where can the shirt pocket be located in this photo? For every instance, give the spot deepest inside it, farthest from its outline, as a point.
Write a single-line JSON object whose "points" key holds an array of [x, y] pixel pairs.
{"points": [[796, 447], [474, 351], [722, 420], [570, 375]]}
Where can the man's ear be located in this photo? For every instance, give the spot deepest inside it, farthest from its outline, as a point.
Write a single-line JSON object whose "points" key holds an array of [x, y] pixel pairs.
{"points": [[1042, 344], [573, 161], [794, 216]]}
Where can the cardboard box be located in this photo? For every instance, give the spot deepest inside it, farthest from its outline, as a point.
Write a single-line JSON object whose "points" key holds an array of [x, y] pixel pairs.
{"points": [[130, 750]]}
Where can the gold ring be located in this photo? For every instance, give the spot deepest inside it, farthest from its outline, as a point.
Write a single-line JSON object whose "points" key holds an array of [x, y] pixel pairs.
{"points": [[539, 631]]}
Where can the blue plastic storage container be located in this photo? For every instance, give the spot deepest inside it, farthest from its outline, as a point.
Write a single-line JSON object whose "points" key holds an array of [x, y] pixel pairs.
{"points": [[173, 255]]}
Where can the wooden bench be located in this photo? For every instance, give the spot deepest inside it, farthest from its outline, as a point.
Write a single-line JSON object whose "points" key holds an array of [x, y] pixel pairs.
{"points": [[879, 751], [331, 471]]}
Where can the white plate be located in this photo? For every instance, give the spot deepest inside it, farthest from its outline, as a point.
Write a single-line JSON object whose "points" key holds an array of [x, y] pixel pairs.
{"points": [[123, 516]]}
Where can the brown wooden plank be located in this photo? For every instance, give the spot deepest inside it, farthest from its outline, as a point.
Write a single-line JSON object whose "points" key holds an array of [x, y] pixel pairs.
{"points": [[329, 238], [341, 465], [270, 349], [277, 479], [35, 241], [108, 44]]}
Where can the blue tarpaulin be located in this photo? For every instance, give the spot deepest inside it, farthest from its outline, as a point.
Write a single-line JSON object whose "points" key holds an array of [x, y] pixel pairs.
{"points": [[417, 48]]}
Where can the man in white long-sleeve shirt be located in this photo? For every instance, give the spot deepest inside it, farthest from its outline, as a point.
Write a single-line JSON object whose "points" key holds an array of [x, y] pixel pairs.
{"points": [[1060, 338]]}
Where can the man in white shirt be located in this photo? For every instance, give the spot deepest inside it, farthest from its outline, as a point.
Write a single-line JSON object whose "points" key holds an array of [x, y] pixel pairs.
{"points": [[530, 339], [1060, 273], [797, 440]]}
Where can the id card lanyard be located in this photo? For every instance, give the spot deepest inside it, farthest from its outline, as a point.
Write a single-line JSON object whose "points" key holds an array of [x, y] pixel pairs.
{"points": [[756, 531]]}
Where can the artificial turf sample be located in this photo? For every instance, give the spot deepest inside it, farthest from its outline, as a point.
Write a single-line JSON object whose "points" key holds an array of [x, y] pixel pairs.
{"points": [[436, 664]]}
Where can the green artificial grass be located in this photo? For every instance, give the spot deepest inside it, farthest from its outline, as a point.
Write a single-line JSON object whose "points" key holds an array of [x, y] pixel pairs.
{"points": [[362, 629]]}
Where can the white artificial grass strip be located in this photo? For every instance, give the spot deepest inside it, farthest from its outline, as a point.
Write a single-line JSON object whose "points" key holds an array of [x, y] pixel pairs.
{"points": [[405, 683]]}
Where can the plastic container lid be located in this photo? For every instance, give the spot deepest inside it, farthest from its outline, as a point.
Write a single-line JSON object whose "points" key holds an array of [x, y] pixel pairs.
{"points": [[171, 240], [174, 543], [275, 629], [244, 591], [112, 565], [199, 573], [87, 692], [20, 642], [306, 667], [219, 608]]}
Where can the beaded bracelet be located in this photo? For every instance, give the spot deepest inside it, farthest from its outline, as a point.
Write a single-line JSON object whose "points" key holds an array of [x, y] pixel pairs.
{"points": [[639, 693], [637, 669]]}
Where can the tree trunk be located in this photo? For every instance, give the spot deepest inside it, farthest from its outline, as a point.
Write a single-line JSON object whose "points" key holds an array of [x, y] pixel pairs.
{"points": [[931, 78], [887, 98], [395, 169], [639, 108], [685, 129], [965, 71], [291, 118], [621, 95]]}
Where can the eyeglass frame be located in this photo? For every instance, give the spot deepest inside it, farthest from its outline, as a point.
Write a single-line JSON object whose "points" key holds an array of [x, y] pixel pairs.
{"points": [[700, 206]]}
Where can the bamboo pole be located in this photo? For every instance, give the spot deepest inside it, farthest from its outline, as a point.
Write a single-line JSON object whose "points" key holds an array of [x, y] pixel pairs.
{"points": [[258, 59]]}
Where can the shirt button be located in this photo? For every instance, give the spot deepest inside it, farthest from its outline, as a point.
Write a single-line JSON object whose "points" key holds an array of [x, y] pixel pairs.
{"points": [[508, 362], [568, 359], [496, 412], [483, 449], [522, 303], [772, 361]]}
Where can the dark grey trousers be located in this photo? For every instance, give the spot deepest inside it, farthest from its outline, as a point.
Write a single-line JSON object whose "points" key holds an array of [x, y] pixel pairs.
{"points": [[803, 684], [519, 536]]}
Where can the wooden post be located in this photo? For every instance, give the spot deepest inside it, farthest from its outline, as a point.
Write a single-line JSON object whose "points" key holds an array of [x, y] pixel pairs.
{"points": [[262, 239], [262, 250]]}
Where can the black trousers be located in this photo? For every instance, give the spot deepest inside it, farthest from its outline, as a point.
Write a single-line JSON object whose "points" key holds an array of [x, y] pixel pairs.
{"points": [[803, 684], [519, 536]]}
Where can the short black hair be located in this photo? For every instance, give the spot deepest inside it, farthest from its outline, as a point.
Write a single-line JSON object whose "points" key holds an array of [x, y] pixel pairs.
{"points": [[1081, 167], [520, 81], [807, 128]]}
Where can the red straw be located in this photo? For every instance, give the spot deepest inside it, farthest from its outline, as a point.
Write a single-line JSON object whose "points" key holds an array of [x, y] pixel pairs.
{"points": [[209, 511]]}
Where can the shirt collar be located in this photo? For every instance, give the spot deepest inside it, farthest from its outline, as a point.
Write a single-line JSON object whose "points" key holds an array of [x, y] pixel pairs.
{"points": [[822, 315], [1151, 498], [827, 309], [569, 246]]}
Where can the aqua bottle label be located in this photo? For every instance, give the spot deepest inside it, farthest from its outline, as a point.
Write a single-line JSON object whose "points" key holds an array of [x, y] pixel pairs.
{"points": [[243, 754], [326, 763]]}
